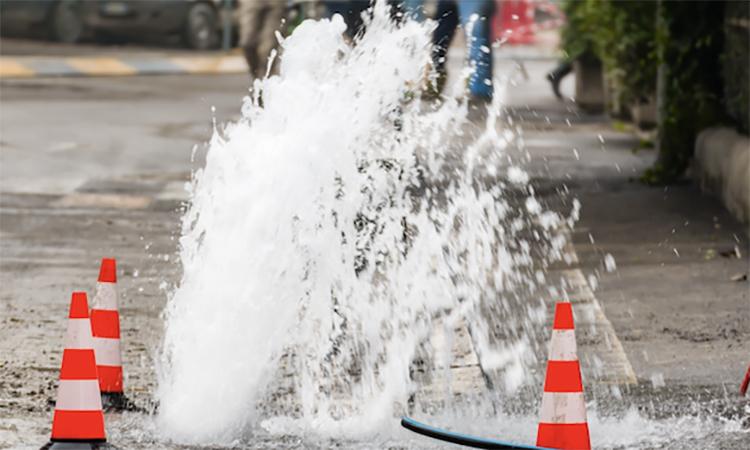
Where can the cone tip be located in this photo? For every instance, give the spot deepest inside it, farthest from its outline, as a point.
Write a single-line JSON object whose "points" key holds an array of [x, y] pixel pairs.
{"points": [[108, 271], [79, 306], [563, 316]]}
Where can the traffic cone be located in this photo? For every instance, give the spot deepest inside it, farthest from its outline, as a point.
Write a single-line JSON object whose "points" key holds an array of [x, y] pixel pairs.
{"points": [[78, 421], [105, 324], [745, 383], [563, 422]]}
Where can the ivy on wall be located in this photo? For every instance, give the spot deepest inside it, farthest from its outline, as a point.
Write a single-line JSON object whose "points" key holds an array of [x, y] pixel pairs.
{"points": [[579, 36], [672, 50], [620, 33], [690, 41], [735, 63]]}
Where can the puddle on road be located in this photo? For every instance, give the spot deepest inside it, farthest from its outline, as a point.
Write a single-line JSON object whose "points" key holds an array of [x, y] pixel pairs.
{"points": [[625, 431]]}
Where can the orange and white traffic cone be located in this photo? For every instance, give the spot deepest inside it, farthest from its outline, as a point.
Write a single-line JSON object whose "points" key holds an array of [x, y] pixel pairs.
{"points": [[563, 422], [78, 420], [105, 324]]}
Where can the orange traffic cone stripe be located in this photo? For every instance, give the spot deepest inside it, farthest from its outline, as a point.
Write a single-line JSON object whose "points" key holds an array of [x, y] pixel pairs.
{"points": [[78, 367], [563, 436], [563, 317], [78, 410], [563, 423], [105, 322], [108, 271], [563, 376], [78, 426]]}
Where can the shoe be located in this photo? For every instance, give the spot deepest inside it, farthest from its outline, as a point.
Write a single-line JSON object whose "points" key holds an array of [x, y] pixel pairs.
{"points": [[555, 82], [477, 108]]}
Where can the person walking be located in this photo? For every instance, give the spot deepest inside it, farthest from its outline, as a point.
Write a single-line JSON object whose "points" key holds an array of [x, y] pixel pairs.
{"points": [[474, 16]]}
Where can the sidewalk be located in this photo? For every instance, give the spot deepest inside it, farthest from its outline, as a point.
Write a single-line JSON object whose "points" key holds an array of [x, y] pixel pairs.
{"points": [[42, 66], [678, 297], [20, 58]]}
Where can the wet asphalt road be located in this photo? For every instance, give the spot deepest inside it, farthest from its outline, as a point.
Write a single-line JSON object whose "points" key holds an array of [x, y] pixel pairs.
{"points": [[95, 167]]}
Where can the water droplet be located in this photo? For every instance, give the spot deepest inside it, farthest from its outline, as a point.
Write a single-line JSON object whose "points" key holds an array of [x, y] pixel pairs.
{"points": [[609, 263], [657, 380]]}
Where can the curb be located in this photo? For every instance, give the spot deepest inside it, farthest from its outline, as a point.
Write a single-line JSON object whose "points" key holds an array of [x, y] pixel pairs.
{"points": [[94, 66], [722, 165]]}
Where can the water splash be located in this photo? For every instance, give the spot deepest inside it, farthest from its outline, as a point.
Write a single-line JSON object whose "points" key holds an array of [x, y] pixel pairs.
{"points": [[328, 233]]}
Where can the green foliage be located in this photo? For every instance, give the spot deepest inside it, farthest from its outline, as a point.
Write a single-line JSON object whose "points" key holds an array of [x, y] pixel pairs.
{"points": [[621, 126], [634, 38], [628, 49], [735, 63], [620, 33], [581, 33], [692, 90]]}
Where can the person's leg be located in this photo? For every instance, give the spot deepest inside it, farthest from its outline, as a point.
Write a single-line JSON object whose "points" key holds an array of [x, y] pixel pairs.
{"points": [[273, 13], [557, 74], [351, 11], [246, 15], [447, 19], [355, 11], [249, 22], [475, 17]]}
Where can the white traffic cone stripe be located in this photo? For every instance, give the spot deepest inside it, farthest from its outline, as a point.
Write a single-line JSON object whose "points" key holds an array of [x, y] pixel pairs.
{"points": [[107, 352], [563, 407], [563, 346], [106, 296], [79, 334], [78, 395]]}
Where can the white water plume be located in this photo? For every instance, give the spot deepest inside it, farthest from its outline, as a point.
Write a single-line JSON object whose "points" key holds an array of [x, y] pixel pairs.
{"points": [[329, 230]]}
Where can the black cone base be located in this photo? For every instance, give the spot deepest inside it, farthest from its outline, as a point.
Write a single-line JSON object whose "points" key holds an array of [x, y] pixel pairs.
{"points": [[112, 401], [78, 446]]}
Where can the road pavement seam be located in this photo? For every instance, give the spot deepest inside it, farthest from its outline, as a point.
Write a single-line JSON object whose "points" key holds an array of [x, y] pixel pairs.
{"points": [[599, 347]]}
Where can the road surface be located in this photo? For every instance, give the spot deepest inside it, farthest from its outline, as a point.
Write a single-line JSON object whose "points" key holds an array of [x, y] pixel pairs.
{"points": [[93, 167]]}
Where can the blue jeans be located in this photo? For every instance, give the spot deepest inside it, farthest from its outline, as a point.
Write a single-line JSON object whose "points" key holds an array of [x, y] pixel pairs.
{"points": [[449, 12]]}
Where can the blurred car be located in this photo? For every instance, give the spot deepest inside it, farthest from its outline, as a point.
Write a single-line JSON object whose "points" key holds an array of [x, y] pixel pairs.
{"points": [[58, 20], [198, 23]]}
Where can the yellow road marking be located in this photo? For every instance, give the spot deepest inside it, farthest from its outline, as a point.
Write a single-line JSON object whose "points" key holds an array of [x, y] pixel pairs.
{"points": [[107, 201], [602, 350], [101, 66], [105, 66], [11, 68], [211, 64]]}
